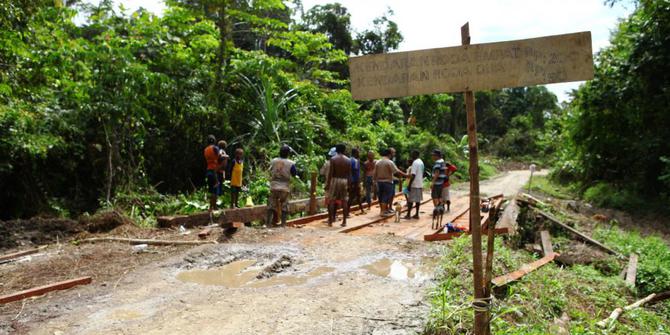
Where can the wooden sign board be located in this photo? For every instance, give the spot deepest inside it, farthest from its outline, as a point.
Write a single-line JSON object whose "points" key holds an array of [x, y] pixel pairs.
{"points": [[475, 67]]}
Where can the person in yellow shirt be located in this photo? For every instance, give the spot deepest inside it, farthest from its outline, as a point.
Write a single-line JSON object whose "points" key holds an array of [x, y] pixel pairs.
{"points": [[236, 178]]}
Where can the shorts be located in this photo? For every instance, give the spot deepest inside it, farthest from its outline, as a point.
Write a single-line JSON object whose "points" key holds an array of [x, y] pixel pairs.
{"points": [[386, 192], [440, 192], [235, 189], [415, 194], [338, 189], [212, 182], [278, 196]]}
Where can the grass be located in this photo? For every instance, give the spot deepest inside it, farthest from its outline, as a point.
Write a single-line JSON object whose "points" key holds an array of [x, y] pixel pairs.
{"points": [[585, 293]]}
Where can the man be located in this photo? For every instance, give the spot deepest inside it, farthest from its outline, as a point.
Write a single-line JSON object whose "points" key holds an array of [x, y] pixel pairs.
{"points": [[385, 169], [369, 178], [392, 157], [337, 184], [415, 184], [236, 178], [281, 171], [355, 186], [440, 184], [325, 170], [212, 155], [223, 164]]}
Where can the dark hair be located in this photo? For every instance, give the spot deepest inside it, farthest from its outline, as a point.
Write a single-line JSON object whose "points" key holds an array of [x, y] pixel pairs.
{"points": [[222, 144], [284, 151], [415, 154], [384, 152], [340, 148], [437, 152], [354, 152], [211, 139]]}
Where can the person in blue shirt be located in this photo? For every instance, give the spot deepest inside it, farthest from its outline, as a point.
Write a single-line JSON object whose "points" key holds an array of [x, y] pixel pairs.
{"points": [[355, 186]]}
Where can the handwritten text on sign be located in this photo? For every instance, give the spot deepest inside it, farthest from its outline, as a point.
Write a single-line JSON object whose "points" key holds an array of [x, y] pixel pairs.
{"points": [[534, 61]]}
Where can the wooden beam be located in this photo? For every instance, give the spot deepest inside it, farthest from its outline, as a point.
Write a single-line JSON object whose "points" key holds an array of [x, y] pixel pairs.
{"points": [[547, 248], [616, 313], [524, 270], [577, 233], [204, 233], [631, 272], [36, 291], [380, 219], [143, 241], [12, 256]]}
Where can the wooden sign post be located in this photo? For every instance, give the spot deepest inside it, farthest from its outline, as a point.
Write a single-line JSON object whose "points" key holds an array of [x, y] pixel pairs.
{"points": [[468, 68]]}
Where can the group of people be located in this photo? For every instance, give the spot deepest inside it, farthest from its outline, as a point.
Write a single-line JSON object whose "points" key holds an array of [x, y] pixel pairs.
{"points": [[219, 168], [343, 177]]}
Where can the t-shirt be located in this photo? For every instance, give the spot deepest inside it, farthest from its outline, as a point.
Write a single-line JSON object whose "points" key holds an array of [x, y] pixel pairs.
{"points": [[442, 168], [211, 153], [384, 170], [417, 169], [281, 170], [355, 170], [236, 175]]}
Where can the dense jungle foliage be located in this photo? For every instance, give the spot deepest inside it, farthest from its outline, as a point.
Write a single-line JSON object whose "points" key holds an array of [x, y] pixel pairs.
{"points": [[121, 103], [615, 139]]}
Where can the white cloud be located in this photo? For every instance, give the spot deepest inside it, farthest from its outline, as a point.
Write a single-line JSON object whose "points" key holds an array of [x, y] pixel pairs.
{"points": [[436, 23]]}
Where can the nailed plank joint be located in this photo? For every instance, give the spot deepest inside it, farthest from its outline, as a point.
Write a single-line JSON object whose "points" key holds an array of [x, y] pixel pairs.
{"points": [[44, 289], [524, 270], [547, 248], [631, 271]]}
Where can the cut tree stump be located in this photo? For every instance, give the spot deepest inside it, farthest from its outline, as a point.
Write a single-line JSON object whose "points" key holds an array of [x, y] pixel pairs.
{"points": [[524, 270], [44, 289], [143, 241]]}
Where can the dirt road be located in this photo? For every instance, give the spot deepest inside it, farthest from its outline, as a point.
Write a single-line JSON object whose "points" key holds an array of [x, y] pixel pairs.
{"points": [[278, 281]]}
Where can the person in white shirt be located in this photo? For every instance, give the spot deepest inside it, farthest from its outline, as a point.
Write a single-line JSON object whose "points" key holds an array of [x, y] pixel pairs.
{"points": [[415, 185]]}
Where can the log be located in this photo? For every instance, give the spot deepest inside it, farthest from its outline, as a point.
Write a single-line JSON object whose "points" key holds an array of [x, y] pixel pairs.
{"points": [[547, 248], [44, 289], [143, 241], [246, 214], [631, 272], [577, 233], [616, 313], [524, 270], [15, 255], [531, 200], [452, 235]]}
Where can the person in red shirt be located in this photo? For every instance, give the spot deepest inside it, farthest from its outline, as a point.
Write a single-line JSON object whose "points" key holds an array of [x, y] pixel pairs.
{"points": [[212, 155]]}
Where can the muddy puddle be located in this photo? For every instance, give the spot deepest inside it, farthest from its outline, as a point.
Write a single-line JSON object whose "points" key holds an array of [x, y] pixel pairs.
{"points": [[241, 273], [403, 270]]}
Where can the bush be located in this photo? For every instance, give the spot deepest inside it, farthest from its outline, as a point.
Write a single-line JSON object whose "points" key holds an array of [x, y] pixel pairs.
{"points": [[606, 195]]}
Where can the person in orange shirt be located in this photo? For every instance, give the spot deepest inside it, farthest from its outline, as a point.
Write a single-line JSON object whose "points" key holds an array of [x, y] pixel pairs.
{"points": [[212, 155], [236, 178]]}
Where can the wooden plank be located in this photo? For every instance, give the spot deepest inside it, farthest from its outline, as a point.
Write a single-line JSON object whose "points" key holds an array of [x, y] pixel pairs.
{"points": [[524, 270], [577, 232], [534, 61], [631, 272], [204, 233], [12, 256], [143, 241], [44, 289], [547, 248], [380, 219]]}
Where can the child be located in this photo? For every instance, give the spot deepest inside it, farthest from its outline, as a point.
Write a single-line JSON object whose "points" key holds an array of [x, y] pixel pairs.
{"points": [[236, 178]]}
